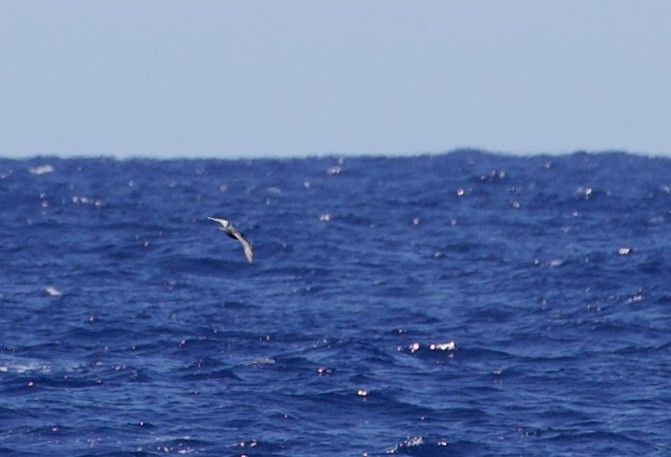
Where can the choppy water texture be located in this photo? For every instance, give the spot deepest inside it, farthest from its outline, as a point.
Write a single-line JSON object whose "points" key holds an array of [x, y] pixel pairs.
{"points": [[465, 304]]}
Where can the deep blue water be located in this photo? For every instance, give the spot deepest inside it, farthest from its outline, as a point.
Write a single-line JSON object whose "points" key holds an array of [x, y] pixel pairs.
{"points": [[131, 326]]}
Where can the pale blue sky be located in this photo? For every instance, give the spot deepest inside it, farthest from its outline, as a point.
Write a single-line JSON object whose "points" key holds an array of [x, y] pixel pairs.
{"points": [[161, 78]]}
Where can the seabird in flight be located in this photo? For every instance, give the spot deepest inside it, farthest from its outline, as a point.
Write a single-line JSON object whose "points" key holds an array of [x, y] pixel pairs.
{"points": [[231, 231]]}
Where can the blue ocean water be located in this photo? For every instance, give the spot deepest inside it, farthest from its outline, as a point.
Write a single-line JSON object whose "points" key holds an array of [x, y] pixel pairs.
{"points": [[464, 304]]}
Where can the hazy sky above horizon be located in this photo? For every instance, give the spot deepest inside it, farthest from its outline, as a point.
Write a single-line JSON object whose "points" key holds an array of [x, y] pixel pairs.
{"points": [[292, 78]]}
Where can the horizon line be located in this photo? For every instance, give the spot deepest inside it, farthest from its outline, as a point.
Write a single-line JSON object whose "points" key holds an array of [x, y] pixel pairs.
{"points": [[503, 153]]}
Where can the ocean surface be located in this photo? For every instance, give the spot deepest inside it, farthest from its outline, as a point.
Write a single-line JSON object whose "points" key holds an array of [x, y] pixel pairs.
{"points": [[463, 304]]}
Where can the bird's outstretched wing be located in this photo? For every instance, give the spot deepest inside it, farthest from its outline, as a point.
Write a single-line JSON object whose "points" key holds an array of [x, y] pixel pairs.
{"points": [[223, 222], [245, 245]]}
